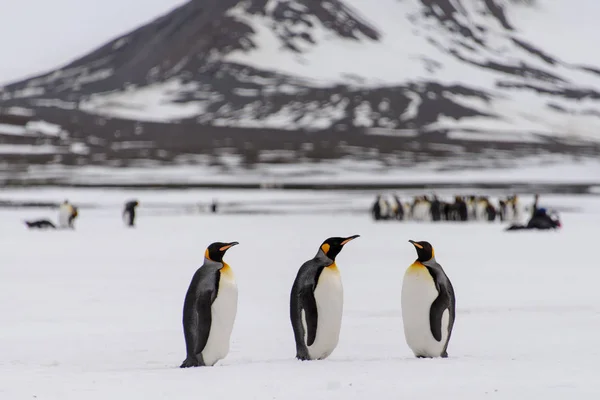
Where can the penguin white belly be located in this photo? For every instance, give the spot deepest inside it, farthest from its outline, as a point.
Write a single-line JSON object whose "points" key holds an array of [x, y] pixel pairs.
{"points": [[63, 216], [329, 296], [418, 293], [421, 212], [223, 312], [471, 210], [480, 213]]}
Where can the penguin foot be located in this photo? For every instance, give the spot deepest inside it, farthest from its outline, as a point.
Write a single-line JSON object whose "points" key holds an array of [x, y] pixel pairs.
{"points": [[303, 356], [189, 362], [443, 355]]}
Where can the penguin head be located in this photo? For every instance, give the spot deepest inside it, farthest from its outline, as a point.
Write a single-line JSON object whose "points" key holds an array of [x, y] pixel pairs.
{"points": [[216, 251], [332, 246], [424, 251]]}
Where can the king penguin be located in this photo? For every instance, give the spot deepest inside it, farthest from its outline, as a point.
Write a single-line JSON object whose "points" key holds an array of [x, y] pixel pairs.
{"points": [[427, 305], [129, 212], [316, 302], [209, 309]]}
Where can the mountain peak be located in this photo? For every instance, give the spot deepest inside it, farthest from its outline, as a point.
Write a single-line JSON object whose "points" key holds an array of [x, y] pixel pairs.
{"points": [[448, 72]]}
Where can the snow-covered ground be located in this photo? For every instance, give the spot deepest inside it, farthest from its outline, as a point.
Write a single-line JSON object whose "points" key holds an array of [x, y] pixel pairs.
{"points": [[96, 313]]}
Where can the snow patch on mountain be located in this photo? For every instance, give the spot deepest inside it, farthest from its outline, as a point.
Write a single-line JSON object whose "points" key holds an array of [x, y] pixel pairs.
{"points": [[32, 128], [29, 149], [156, 102]]}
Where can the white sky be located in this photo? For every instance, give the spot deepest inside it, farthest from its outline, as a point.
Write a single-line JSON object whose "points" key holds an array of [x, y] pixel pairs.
{"points": [[567, 29], [39, 35]]}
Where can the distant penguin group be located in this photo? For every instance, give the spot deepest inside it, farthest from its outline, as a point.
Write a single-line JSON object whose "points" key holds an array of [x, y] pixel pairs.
{"points": [[316, 305]]}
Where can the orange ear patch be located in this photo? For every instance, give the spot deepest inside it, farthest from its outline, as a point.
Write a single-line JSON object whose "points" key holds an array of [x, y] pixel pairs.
{"points": [[206, 255], [325, 247]]}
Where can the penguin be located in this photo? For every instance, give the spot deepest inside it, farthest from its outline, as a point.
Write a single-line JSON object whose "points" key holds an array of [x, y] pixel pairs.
{"points": [[66, 215], [428, 305], [316, 302], [376, 208], [422, 209], [210, 308], [129, 212]]}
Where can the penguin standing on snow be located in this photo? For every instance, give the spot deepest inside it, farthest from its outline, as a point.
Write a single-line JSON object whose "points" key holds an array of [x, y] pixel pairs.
{"points": [[427, 305], [316, 302], [66, 215], [209, 309], [129, 212]]}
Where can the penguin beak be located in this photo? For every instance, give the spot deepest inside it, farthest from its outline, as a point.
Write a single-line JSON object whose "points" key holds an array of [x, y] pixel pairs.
{"points": [[417, 245], [228, 246], [348, 239]]}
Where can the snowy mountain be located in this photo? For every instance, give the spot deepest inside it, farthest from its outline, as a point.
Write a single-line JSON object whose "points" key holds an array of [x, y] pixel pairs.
{"points": [[399, 81]]}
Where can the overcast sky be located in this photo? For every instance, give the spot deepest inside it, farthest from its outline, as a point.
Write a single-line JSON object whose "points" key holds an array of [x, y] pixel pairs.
{"points": [[38, 35]]}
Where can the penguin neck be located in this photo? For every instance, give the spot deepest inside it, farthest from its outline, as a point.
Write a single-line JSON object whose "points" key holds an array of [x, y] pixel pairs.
{"points": [[428, 263], [214, 264], [321, 256]]}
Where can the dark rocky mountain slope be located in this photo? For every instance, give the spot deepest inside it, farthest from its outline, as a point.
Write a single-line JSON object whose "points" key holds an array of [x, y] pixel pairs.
{"points": [[287, 81]]}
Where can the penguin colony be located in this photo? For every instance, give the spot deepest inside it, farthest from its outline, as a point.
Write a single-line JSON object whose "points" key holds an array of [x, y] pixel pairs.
{"points": [[316, 305], [457, 209]]}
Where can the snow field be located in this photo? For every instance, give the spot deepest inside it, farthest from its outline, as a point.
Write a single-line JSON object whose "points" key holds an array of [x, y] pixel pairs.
{"points": [[96, 313]]}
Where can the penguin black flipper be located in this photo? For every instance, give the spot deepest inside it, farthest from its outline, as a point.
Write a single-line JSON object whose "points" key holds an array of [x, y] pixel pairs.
{"points": [[452, 309], [444, 301], [197, 317], [302, 301], [439, 305], [311, 315], [295, 316], [204, 312], [198, 329]]}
